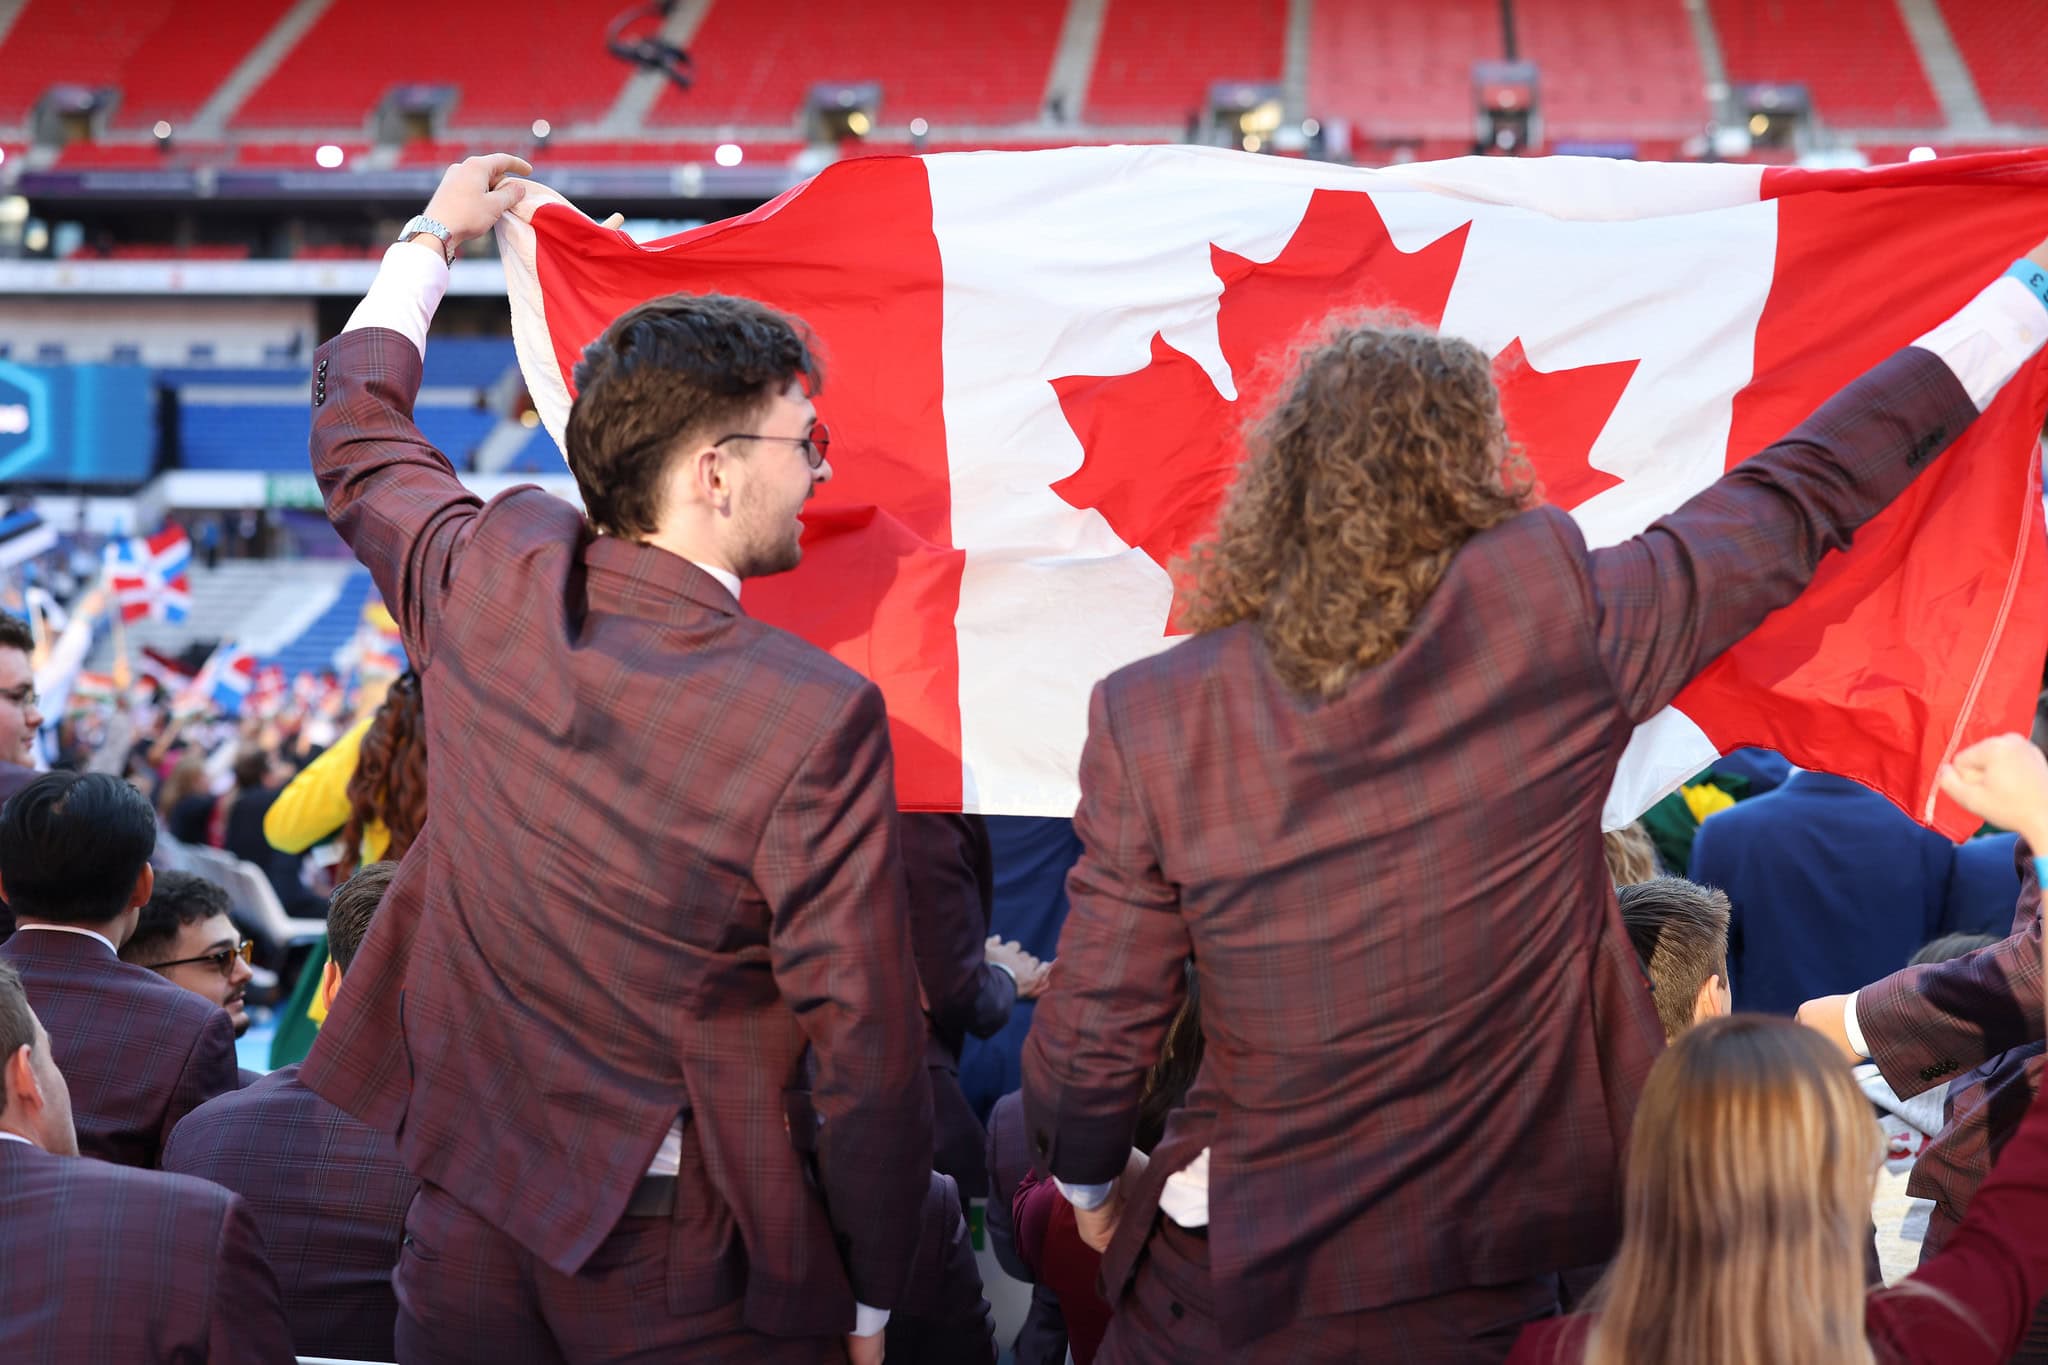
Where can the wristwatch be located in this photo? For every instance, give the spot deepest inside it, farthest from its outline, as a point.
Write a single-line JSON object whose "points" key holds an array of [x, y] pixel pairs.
{"points": [[419, 224]]}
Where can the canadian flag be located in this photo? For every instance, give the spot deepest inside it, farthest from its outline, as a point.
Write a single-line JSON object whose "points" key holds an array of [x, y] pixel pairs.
{"points": [[1039, 365]]}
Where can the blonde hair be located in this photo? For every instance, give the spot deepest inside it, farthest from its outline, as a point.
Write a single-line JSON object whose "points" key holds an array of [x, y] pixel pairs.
{"points": [[1631, 857], [1384, 456], [1746, 1206]]}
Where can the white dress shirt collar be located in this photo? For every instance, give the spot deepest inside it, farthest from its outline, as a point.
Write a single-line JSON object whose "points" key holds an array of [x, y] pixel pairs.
{"points": [[72, 929], [6, 1136], [727, 579]]}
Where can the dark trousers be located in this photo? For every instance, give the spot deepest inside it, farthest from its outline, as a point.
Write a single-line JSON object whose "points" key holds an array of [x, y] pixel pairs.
{"points": [[468, 1293], [1165, 1320]]}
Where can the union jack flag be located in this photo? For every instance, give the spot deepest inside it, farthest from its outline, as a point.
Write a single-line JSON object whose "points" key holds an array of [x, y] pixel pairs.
{"points": [[148, 577]]}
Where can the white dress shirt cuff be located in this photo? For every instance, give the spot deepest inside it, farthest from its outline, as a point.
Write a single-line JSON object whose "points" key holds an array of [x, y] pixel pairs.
{"points": [[1004, 968], [407, 290], [868, 1321], [1850, 1028], [1990, 337], [1085, 1197]]}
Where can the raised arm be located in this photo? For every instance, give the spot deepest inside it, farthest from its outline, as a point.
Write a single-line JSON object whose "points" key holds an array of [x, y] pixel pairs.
{"points": [[1673, 598], [946, 866], [392, 496]]}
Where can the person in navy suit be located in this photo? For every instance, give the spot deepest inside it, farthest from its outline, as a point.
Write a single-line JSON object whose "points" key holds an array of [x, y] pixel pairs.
{"points": [[1830, 886], [107, 1263], [327, 1190], [140, 1052]]}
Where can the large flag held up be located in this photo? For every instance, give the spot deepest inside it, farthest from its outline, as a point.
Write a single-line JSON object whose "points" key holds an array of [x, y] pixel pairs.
{"points": [[150, 576], [1039, 364]]}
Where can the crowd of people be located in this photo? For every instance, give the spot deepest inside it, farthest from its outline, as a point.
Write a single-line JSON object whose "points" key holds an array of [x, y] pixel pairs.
{"points": [[638, 1026]]}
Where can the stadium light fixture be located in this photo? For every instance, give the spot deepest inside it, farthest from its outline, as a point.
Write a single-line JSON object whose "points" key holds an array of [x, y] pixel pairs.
{"points": [[542, 130], [1920, 154], [3, 156], [728, 154], [162, 131], [36, 240], [328, 156], [1311, 127], [918, 127], [858, 123], [13, 210]]}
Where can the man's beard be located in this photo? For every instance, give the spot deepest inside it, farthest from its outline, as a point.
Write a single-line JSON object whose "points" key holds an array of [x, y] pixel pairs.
{"points": [[769, 548]]}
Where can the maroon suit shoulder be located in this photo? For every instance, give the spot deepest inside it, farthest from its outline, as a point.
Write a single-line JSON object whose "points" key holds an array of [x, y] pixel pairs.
{"points": [[1552, 1341]]}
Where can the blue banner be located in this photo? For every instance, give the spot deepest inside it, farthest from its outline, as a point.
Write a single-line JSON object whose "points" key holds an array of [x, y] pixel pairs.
{"points": [[72, 424]]}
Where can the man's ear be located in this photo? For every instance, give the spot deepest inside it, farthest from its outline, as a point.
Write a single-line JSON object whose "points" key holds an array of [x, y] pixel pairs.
{"points": [[145, 887], [18, 1079], [1707, 1005], [330, 983]]}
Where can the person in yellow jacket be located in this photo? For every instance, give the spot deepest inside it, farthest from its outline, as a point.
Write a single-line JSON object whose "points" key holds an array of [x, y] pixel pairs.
{"points": [[370, 786]]}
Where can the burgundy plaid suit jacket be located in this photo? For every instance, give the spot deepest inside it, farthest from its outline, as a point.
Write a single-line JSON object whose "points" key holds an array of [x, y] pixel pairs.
{"points": [[327, 1192], [950, 871], [1930, 1024], [1426, 1030], [103, 1263], [137, 1052], [660, 870]]}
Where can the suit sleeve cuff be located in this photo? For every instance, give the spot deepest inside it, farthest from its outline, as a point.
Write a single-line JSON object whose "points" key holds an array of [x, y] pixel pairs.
{"points": [[1085, 1197], [403, 297], [1005, 970], [1992, 335], [1852, 1029], [868, 1321]]}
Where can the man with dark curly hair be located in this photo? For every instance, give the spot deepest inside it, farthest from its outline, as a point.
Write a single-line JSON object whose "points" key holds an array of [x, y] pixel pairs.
{"points": [[1426, 1027]]}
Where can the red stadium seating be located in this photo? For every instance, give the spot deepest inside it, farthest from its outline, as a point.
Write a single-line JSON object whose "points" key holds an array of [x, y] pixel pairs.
{"points": [[1613, 70], [166, 56], [1156, 58], [936, 59], [1400, 70], [295, 155], [2007, 52], [566, 153], [1855, 56], [515, 61]]}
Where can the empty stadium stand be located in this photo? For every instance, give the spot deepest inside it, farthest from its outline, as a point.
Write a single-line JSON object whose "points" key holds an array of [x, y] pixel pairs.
{"points": [[513, 60], [936, 59], [1156, 59], [165, 56], [1400, 71], [1855, 57], [2006, 50], [1613, 70]]}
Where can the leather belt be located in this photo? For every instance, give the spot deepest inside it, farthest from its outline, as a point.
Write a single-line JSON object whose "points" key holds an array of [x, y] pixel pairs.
{"points": [[654, 1197]]}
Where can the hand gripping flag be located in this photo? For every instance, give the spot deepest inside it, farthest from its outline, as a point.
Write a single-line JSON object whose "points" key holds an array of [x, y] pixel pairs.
{"points": [[1039, 364], [149, 577]]}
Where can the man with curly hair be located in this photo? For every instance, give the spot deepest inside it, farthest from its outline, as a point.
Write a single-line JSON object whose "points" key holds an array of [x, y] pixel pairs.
{"points": [[1426, 1027]]}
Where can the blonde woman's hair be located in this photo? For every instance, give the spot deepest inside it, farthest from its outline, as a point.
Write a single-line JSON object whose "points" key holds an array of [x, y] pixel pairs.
{"points": [[1746, 1207]]}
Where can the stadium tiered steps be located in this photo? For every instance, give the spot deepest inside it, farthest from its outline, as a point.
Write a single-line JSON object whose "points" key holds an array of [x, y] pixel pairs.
{"points": [[1855, 57], [1400, 72]]}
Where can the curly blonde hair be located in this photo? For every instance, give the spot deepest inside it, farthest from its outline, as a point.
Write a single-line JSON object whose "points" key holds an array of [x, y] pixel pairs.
{"points": [[1386, 455]]}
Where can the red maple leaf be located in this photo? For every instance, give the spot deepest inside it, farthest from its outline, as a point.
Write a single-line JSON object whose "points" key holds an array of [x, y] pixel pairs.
{"points": [[1160, 445]]}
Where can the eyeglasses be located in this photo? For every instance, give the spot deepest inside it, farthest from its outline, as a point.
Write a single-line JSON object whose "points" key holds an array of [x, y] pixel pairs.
{"points": [[815, 444], [24, 696], [221, 960]]}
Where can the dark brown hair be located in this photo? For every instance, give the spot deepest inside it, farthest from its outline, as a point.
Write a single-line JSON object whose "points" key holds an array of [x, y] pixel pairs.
{"points": [[390, 780], [672, 369], [351, 908], [178, 899], [1680, 933], [16, 634], [1385, 456]]}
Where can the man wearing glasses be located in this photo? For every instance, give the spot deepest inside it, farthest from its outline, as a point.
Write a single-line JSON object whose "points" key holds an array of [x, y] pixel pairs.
{"points": [[139, 1053], [642, 993], [185, 936]]}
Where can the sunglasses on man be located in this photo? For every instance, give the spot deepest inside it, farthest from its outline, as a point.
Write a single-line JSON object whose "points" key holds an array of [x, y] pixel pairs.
{"points": [[221, 960]]}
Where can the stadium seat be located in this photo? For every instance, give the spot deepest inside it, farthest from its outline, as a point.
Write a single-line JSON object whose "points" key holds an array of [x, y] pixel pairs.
{"points": [[2007, 52], [554, 64], [1156, 58], [936, 59], [1613, 70], [1855, 57], [1401, 70], [164, 56]]}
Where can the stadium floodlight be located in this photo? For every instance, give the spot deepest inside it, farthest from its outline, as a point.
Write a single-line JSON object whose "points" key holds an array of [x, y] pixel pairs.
{"points": [[328, 156], [1920, 154], [3, 156], [162, 131], [728, 154], [13, 210], [918, 127], [542, 130], [859, 124]]}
